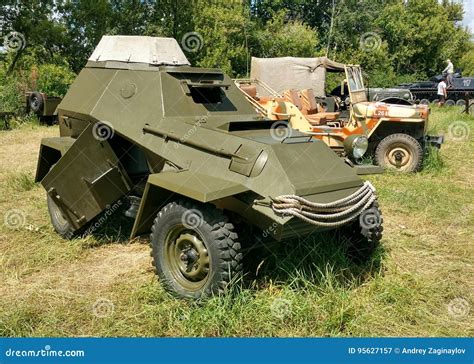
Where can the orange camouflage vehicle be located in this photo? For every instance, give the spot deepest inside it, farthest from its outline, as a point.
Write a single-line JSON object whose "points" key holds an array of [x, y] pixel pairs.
{"points": [[393, 135]]}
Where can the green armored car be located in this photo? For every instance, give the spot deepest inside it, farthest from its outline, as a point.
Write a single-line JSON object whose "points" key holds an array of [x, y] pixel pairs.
{"points": [[196, 161]]}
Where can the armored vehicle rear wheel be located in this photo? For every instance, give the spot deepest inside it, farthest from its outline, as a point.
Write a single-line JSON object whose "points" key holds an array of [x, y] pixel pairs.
{"points": [[365, 234], [60, 223], [461, 103], [401, 152], [424, 102], [450, 102], [195, 249]]}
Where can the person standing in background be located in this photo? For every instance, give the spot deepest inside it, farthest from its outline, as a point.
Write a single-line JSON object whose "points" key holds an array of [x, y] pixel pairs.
{"points": [[442, 94], [449, 72]]}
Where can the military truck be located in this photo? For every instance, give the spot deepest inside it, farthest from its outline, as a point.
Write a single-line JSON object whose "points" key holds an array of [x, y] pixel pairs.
{"points": [[397, 133], [43, 105], [425, 92], [197, 163]]}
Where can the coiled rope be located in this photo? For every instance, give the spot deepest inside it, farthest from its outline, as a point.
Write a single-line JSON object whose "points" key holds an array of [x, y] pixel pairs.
{"points": [[332, 214]]}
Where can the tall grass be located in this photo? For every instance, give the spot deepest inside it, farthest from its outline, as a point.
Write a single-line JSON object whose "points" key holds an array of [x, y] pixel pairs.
{"points": [[303, 287]]}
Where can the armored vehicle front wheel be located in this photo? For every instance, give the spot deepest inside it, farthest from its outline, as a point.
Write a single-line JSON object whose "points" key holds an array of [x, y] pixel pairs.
{"points": [[58, 220], [401, 152], [195, 249], [365, 234]]}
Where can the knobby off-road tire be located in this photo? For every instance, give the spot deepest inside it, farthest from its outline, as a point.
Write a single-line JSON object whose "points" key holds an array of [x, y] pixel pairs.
{"points": [[195, 250], [401, 152], [364, 234], [59, 222]]}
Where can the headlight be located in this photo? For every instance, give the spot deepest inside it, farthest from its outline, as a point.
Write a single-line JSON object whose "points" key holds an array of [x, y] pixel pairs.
{"points": [[359, 146], [356, 146]]}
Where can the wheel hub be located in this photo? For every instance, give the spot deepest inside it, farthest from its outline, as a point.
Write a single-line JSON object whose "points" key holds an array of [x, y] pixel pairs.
{"points": [[398, 157], [190, 257]]}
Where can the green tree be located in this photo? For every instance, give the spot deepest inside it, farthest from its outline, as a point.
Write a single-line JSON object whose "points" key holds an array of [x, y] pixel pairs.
{"points": [[222, 37], [280, 37], [33, 21], [466, 62]]}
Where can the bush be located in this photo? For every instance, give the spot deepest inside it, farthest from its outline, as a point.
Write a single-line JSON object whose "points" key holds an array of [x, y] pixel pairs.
{"points": [[281, 38], [12, 90], [54, 80]]}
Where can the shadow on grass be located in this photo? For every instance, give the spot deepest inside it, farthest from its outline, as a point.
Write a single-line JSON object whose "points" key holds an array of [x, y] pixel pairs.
{"points": [[111, 226], [433, 161], [317, 259]]}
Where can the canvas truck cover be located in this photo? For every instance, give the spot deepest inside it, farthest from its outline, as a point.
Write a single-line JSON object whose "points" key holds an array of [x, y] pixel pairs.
{"points": [[285, 73], [139, 49]]}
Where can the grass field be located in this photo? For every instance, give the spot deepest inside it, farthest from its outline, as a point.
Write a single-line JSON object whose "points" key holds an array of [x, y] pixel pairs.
{"points": [[419, 283]]}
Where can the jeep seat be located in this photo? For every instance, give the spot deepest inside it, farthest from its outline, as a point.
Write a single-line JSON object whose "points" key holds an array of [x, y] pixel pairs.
{"points": [[310, 106], [250, 90], [322, 117], [293, 97]]}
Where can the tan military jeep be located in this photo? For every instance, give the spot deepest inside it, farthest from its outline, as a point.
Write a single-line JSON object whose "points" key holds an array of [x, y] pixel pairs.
{"points": [[396, 134]]}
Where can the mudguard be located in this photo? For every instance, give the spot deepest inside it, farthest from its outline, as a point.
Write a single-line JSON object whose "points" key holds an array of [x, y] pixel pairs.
{"points": [[161, 187]]}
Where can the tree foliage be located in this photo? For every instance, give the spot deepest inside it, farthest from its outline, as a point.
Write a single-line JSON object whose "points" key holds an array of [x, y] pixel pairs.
{"points": [[393, 40]]}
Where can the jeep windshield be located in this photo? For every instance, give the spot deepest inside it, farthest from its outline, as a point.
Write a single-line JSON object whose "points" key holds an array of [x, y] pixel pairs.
{"points": [[354, 78], [356, 84]]}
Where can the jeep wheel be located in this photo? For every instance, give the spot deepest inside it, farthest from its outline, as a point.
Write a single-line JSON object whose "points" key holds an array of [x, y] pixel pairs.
{"points": [[59, 222], [195, 249], [401, 152], [364, 235]]}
